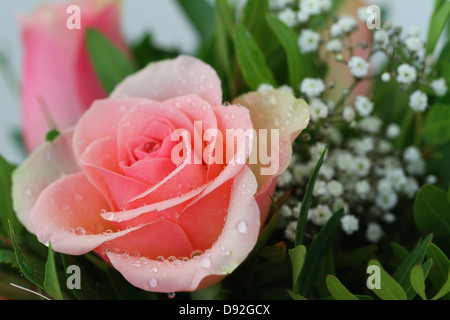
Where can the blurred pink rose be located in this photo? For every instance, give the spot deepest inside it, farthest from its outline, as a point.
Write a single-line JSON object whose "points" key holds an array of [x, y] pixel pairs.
{"points": [[110, 184], [57, 71]]}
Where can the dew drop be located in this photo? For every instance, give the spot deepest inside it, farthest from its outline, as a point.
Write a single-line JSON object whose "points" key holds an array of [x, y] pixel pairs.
{"points": [[241, 227], [109, 216], [196, 253], [80, 231], [205, 263], [160, 258], [152, 282], [171, 295]]}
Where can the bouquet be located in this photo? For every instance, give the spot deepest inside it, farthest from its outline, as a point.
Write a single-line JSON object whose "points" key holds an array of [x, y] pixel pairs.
{"points": [[300, 154]]}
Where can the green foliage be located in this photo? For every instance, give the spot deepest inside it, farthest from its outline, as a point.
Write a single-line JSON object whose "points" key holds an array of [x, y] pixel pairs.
{"points": [[200, 13], [110, 63], [438, 21]]}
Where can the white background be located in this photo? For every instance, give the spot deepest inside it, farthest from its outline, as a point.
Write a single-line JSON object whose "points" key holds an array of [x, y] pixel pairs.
{"points": [[160, 17]]}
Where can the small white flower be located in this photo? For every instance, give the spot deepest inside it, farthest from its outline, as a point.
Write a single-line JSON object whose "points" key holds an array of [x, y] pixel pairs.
{"points": [[440, 87], [349, 114], [325, 5], [418, 101], [347, 23], [350, 224], [371, 124], [362, 188], [311, 7], [384, 186], [316, 151], [412, 154], [411, 187], [344, 161], [386, 201], [386, 77], [290, 231], [416, 167], [363, 146], [358, 67], [414, 44], [308, 41], [318, 110], [302, 16], [363, 106], [335, 188], [374, 232], [397, 178], [287, 88], [393, 131], [334, 45], [340, 203], [320, 215], [389, 218], [278, 4], [301, 172], [265, 87], [380, 36], [431, 179], [336, 31], [326, 172], [362, 166], [320, 188], [285, 179], [384, 146], [312, 87], [288, 16], [406, 74], [285, 211]]}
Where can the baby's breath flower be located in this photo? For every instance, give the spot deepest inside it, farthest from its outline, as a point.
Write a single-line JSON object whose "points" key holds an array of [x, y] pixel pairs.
{"points": [[397, 178], [320, 215], [386, 77], [362, 188], [334, 45], [285, 179], [406, 74], [318, 110], [371, 124], [389, 217], [302, 16], [335, 188], [336, 31], [411, 187], [288, 16], [350, 224], [418, 101], [362, 166], [431, 179], [265, 87], [381, 36], [363, 106], [311, 7], [290, 231], [278, 4], [312, 88], [349, 114], [414, 44], [411, 154], [374, 232], [320, 188], [285, 211], [393, 131], [358, 66], [440, 87], [308, 41], [386, 201], [347, 23]]}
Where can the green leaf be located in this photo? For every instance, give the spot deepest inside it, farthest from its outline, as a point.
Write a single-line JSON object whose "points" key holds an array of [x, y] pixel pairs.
{"points": [[251, 59], [31, 268], [437, 125], [338, 290], [400, 252], [306, 204], [6, 206], [360, 255], [441, 265], [8, 257], [402, 274], [444, 290], [417, 278], [389, 288], [110, 63], [296, 296], [432, 211], [201, 15], [52, 135], [297, 256], [274, 253], [299, 66], [438, 21], [51, 282], [317, 251]]}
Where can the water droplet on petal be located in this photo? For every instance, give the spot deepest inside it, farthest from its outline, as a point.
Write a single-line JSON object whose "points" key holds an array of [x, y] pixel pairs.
{"points": [[196, 253], [241, 227], [171, 295], [152, 282], [109, 216], [205, 263], [80, 231]]}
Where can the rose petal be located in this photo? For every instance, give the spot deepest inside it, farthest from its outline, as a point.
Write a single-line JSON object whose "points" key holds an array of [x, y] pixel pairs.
{"points": [[67, 214], [279, 110], [159, 239], [238, 238], [101, 166], [173, 78], [94, 125], [46, 164], [203, 221]]}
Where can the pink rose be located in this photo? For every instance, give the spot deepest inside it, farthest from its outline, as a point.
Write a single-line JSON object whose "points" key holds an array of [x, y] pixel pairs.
{"points": [[57, 69], [111, 185]]}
